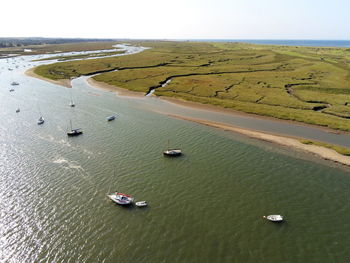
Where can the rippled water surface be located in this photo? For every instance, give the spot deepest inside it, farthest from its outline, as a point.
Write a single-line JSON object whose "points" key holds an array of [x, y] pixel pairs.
{"points": [[205, 206]]}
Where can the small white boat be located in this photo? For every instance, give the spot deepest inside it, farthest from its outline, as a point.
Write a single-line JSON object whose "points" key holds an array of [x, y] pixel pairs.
{"points": [[111, 118], [141, 203], [41, 120], [274, 218], [121, 199], [14, 83], [12, 89], [71, 103]]}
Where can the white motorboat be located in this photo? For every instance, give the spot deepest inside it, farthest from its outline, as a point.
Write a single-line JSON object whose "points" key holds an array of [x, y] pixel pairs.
{"points": [[71, 103], [111, 118], [274, 218], [41, 120], [141, 203], [14, 83], [121, 199], [12, 89]]}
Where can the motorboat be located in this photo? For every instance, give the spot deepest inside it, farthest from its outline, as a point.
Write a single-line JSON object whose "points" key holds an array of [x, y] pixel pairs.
{"points": [[274, 218], [121, 199], [141, 204], [71, 103], [14, 83], [111, 118], [18, 110], [12, 89], [41, 120]]}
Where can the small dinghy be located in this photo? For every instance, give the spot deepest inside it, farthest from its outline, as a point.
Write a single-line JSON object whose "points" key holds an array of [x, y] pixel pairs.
{"points": [[274, 218], [111, 118], [141, 204], [121, 199]]}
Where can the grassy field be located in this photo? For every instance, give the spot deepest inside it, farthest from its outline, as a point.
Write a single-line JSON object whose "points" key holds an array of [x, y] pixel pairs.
{"points": [[305, 84]]}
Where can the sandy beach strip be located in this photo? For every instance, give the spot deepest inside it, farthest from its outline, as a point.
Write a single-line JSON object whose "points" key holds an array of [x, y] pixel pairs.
{"points": [[325, 153], [62, 82], [119, 91]]}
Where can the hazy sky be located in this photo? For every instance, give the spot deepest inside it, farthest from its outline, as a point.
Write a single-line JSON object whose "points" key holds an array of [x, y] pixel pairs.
{"points": [[177, 19]]}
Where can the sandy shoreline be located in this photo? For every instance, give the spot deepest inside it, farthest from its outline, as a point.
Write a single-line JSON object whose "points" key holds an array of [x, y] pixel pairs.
{"points": [[119, 91], [63, 82]]}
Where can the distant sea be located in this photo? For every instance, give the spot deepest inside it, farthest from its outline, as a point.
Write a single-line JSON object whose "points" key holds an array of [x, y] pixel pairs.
{"points": [[296, 42]]}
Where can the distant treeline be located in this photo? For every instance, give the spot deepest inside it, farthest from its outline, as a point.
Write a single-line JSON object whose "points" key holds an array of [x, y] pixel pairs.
{"points": [[18, 42]]}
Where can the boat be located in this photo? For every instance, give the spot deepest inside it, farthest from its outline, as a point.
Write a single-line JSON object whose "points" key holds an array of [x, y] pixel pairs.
{"points": [[274, 218], [14, 83], [18, 110], [12, 89], [111, 118], [41, 120], [121, 199], [141, 204], [74, 132], [172, 152]]}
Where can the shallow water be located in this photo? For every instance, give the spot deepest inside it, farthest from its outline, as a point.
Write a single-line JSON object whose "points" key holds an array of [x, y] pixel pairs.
{"points": [[205, 206]]}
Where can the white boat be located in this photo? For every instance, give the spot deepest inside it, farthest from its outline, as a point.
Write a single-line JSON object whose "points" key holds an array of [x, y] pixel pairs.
{"points": [[71, 103], [111, 118], [141, 203], [12, 89], [274, 218], [18, 110], [14, 83], [121, 199], [41, 120], [172, 152]]}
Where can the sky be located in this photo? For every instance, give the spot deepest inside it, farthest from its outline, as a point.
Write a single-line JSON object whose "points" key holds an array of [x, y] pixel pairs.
{"points": [[180, 19]]}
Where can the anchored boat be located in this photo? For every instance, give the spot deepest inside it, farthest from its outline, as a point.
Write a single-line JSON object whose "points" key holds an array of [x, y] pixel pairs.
{"points": [[41, 120], [121, 199], [141, 204], [274, 218], [74, 132], [172, 152], [111, 118]]}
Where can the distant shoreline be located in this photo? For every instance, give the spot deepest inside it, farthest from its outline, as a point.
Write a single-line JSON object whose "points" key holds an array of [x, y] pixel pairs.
{"points": [[283, 42]]}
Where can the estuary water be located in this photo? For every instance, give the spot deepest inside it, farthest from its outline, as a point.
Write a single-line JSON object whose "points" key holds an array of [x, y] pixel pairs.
{"points": [[205, 206]]}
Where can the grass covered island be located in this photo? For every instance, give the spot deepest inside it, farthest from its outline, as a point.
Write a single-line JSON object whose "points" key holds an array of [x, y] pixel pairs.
{"points": [[304, 84]]}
